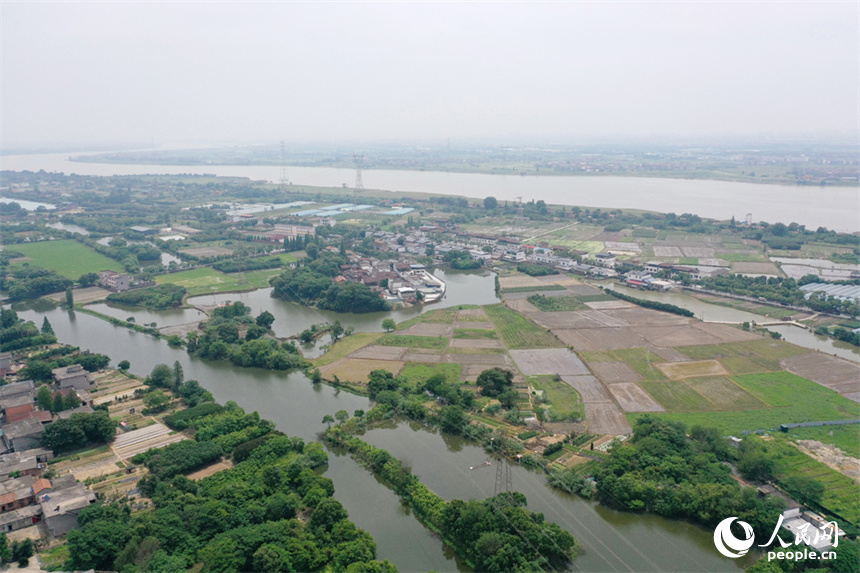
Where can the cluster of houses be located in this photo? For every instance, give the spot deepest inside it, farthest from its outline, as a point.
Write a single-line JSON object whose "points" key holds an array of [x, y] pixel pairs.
{"points": [[396, 282], [27, 497]]}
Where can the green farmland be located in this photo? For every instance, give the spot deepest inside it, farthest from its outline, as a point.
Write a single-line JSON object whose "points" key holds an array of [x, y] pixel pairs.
{"points": [[209, 281], [67, 257]]}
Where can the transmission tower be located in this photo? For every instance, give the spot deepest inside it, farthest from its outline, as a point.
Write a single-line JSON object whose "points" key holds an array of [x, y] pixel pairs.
{"points": [[285, 180], [749, 218], [359, 184]]}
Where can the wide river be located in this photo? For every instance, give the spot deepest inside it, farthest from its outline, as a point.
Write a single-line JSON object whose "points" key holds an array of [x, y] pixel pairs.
{"points": [[612, 540], [836, 208]]}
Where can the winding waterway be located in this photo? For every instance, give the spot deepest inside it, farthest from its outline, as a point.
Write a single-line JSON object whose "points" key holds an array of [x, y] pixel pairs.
{"points": [[836, 208], [611, 540]]}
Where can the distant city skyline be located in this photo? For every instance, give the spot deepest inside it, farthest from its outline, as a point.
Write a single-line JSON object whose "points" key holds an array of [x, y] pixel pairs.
{"points": [[94, 74]]}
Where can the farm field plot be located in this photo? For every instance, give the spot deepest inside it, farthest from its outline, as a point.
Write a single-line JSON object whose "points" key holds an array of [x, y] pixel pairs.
{"points": [[413, 341], [638, 316], [663, 251], [605, 318], [519, 332], [415, 356], [632, 398], [549, 361], [677, 396], [555, 303], [67, 257], [520, 304], [346, 346], [641, 360], [602, 339], [725, 332], [606, 418], [580, 291], [846, 438], [358, 369], [792, 399], [475, 343], [519, 281], [614, 372], [756, 268], [478, 333], [207, 281], [564, 401], [157, 435], [471, 315], [835, 373], [679, 370], [669, 354], [761, 355], [376, 352], [429, 329], [589, 388], [213, 251], [669, 336], [82, 295], [565, 320], [608, 304], [494, 360], [472, 325], [418, 373], [724, 394]]}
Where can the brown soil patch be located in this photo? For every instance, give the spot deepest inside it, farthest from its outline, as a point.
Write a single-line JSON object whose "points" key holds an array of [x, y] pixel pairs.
{"points": [[565, 320], [608, 304], [725, 332], [832, 457], [614, 372], [518, 281], [584, 290], [207, 251], [549, 361], [637, 316], [210, 470], [180, 329], [82, 295], [429, 329], [606, 418], [589, 388], [602, 339], [681, 370], [604, 318], [756, 269], [835, 373], [358, 369], [670, 354], [562, 280], [375, 352], [492, 359], [521, 305], [475, 343], [683, 335], [414, 356], [632, 398]]}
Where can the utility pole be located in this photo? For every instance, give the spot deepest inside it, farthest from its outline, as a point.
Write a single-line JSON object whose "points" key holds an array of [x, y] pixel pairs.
{"points": [[359, 184]]}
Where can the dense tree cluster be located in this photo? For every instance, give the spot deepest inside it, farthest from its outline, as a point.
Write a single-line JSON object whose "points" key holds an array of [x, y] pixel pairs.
{"points": [[31, 282], [241, 519], [662, 471], [158, 297], [248, 264], [78, 430], [16, 334], [536, 270], [312, 284], [662, 306], [462, 260], [781, 290]]}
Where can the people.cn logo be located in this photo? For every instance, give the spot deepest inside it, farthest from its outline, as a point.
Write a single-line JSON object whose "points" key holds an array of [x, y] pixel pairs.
{"points": [[728, 544]]}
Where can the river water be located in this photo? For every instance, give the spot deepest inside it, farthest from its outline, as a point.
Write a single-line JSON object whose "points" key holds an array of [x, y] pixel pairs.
{"points": [[612, 541], [836, 208]]}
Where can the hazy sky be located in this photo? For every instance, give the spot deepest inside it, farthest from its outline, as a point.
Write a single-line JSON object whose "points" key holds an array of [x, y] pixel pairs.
{"points": [[224, 72]]}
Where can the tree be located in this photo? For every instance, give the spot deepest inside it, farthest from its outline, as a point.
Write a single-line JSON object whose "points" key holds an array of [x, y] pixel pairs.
{"points": [[44, 399], [312, 250], [88, 279], [178, 375], [160, 377], [124, 365], [270, 558], [327, 513], [156, 400], [46, 327], [508, 398], [222, 555], [22, 551], [265, 319], [327, 419], [336, 330], [490, 203], [341, 416], [494, 381], [5, 550], [70, 299], [388, 324], [59, 404], [358, 413]]}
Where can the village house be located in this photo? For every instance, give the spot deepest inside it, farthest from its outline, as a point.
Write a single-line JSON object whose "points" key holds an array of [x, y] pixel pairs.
{"points": [[74, 376], [118, 282]]}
